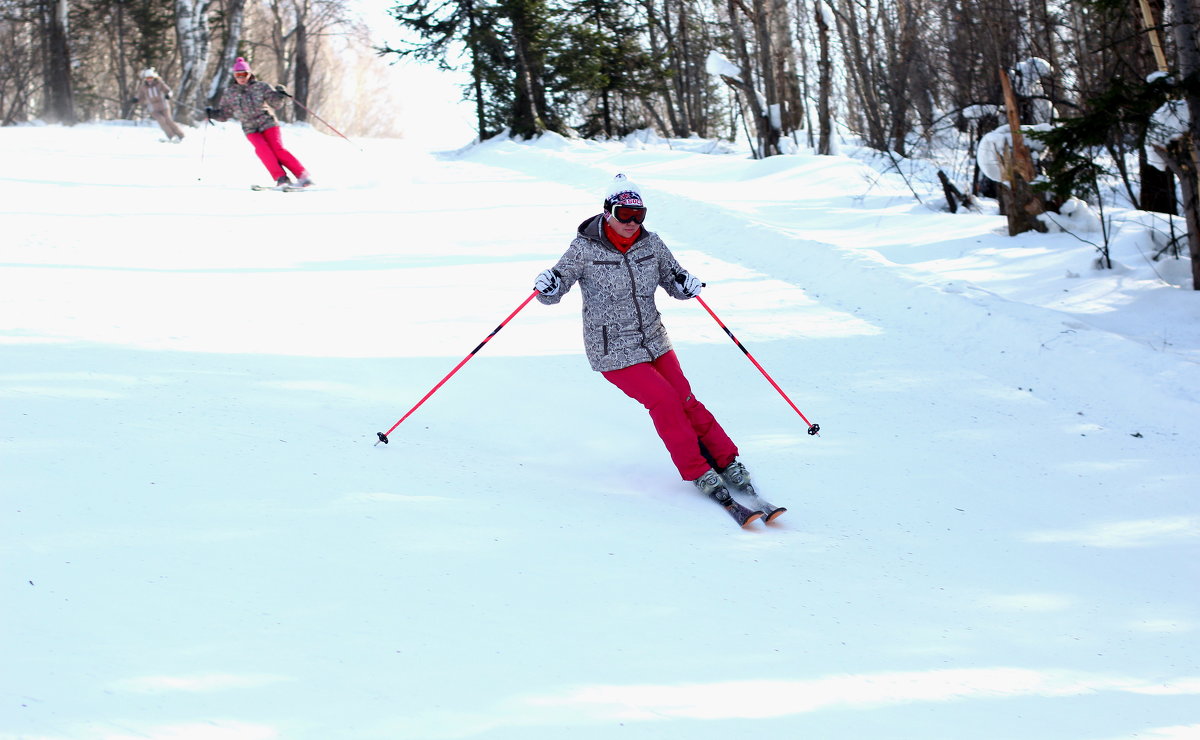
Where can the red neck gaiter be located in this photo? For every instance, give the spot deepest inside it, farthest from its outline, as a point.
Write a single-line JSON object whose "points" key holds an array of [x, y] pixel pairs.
{"points": [[621, 243]]}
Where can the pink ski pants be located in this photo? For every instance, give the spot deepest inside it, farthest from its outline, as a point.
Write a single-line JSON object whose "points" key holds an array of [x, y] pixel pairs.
{"points": [[268, 145], [683, 423]]}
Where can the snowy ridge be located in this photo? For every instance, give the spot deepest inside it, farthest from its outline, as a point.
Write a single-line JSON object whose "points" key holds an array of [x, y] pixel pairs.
{"points": [[897, 293]]}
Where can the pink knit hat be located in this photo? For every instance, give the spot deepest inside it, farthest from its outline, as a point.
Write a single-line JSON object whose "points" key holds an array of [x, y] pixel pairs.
{"points": [[241, 65]]}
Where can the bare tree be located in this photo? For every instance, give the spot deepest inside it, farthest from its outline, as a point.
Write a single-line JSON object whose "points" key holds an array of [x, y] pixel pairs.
{"points": [[856, 27], [18, 64], [194, 39], [766, 136], [233, 12], [825, 85], [1185, 157], [682, 37], [59, 103], [291, 33]]}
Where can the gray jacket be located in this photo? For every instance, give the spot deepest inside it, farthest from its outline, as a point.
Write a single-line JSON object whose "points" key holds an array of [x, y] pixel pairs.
{"points": [[621, 323]]}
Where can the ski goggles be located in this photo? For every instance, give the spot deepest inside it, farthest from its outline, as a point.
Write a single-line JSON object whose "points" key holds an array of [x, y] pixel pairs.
{"points": [[627, 214]]}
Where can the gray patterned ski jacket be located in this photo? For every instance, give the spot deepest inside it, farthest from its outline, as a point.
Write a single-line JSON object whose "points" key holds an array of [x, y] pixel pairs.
{"points": [[621, 323], [248, 103]]}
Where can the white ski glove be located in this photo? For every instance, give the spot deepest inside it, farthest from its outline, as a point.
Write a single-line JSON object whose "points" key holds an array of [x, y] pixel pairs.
{"points": [[689, 283], [547, 282]]}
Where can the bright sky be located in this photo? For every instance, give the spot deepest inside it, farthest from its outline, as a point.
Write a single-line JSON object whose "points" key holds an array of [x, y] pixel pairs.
{"points": [[434, 111]]}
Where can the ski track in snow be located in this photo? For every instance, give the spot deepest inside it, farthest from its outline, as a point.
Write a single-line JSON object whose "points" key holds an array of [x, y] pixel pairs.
{"points": [[994, 537]]}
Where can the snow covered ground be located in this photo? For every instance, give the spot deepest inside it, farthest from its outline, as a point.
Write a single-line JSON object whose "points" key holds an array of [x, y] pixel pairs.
{"points": [[994, 537]]}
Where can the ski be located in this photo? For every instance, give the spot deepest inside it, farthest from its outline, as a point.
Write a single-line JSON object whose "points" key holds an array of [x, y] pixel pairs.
{"points": [[282, 188], [740, 514], [770, 511], [738, 482]]}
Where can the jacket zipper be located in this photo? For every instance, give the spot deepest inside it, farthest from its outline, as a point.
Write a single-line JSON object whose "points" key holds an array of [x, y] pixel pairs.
{"points": [[636, 306]]}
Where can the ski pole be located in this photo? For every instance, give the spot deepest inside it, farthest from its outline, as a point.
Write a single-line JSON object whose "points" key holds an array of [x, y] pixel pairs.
{"points": [[203, 146], [383, 436], [813, 429], [314, 115], [193, 108]]}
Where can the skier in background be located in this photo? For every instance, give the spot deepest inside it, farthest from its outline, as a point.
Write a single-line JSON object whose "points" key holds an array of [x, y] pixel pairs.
{"points": [[153, 93], [250, 101], [619, 266]]}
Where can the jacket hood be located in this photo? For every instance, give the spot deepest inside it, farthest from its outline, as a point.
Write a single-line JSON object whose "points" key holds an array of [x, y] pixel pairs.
{"points": [[591, 228]]}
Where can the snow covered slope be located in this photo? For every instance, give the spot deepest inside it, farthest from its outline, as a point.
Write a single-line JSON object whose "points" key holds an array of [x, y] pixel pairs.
{"points": [[994, 537]]}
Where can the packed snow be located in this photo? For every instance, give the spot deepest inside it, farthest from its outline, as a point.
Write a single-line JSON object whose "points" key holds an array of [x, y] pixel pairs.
{"points": [[993, 537]]}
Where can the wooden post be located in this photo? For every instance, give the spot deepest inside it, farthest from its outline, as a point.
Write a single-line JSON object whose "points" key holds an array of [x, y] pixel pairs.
{"points": [[1152, 29]]}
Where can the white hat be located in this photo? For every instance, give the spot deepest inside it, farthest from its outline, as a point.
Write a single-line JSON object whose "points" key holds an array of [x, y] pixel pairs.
{"points": [[149, 72], [623, 192]]}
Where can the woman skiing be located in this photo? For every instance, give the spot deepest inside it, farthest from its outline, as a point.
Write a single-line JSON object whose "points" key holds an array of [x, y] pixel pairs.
{"points": [[619, 266], [250, 101], [153, 93]]}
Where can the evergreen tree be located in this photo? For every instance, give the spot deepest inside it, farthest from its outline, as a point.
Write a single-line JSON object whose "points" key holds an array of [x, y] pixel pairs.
{"points": [[604, 68], [507, 42]]}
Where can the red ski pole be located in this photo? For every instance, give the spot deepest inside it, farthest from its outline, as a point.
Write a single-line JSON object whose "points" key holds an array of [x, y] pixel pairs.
{"points": [[812, 428], [383, 436], [314, 115]]}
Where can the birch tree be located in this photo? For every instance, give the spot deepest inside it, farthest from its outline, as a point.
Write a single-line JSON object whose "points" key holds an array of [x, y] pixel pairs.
{"points": [[234, 14], [194, 39]]}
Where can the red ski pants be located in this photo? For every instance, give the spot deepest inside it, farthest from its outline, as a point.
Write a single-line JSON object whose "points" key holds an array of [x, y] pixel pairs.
{"points": [[268, 145], [681, 421]]}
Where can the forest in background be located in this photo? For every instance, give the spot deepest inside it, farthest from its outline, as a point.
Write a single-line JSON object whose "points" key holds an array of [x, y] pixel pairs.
{"points": [[1086, 81], [65, 61]]}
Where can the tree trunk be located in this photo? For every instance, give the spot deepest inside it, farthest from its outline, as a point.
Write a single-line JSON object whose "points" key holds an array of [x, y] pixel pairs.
{"points": [[235, 11], [606, 93], [1158, 187], [825, 65], [123, 92], [302, 71], [191, 31], [858, 69], [696, 75], [1188, 159], [900, 38], [476, 71], [791, 99], [527, 119], [954, 196], [674, 91], [60, 95], [762, 18], [761, 142], [1178, 160], [1024, 205]]}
